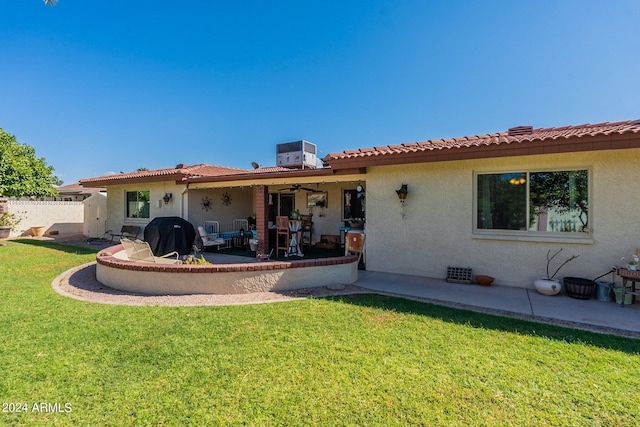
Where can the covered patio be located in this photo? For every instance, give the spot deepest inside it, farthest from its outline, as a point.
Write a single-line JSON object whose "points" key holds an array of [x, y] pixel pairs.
{"points": [[326, 197]]}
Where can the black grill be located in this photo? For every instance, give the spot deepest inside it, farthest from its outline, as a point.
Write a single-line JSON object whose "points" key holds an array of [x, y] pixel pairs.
{"points": [[169, 233]]}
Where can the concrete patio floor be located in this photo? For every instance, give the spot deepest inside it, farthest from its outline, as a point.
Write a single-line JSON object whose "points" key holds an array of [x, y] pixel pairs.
{"points": [[591, 314]]}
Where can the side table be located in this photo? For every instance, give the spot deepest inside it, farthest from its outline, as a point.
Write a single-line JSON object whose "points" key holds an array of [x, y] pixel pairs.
{"points": [[628, 276]]}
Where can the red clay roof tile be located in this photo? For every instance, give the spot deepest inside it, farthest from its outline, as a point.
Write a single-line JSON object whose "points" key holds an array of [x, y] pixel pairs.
{"points": [[517, 135], [179, 173]]}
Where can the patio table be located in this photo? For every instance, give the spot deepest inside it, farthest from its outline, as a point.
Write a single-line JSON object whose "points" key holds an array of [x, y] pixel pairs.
{"points": [[295, 228], [628, 276]]}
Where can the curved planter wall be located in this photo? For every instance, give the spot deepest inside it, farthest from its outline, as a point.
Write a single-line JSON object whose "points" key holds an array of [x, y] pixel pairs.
{"points": [[221, 279]]}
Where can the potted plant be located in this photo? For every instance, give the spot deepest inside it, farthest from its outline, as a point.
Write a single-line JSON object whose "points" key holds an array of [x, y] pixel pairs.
{"points": [[7, 222], [549, 285], [632, 264], [295, 214], [356, 223]]}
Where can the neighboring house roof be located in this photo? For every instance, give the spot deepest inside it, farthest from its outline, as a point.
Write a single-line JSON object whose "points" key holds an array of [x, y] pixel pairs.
{"points": [[517, 141], [77, 190], [179, 174]]}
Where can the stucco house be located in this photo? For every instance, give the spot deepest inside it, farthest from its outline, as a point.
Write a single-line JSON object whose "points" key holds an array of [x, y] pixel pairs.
{"points": [[496, 203], [203, 192]]}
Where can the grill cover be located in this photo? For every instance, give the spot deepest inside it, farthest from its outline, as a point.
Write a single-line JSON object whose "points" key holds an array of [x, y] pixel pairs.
{"points": [[169, 233]]}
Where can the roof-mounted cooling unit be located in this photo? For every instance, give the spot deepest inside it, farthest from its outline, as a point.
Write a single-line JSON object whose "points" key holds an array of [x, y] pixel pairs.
{"points": [[297, 154]]}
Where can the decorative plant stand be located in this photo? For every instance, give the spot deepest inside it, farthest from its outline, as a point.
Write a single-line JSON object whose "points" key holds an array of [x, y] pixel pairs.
{"points": [[627, 276]]}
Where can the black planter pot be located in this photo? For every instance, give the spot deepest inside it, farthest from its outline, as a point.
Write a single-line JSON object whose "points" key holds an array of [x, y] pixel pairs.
{"points": [[579, 288]]}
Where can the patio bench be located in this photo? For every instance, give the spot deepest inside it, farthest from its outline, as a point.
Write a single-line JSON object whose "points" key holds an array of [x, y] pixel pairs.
{"points": [[127, 231]]}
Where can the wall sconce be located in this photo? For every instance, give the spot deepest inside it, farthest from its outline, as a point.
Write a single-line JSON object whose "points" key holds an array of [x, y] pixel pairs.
{"points": [[402, 193], [167, 198]]}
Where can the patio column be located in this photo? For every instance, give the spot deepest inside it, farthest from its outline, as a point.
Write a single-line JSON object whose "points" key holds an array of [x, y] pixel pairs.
{"points": [[262, 218]]}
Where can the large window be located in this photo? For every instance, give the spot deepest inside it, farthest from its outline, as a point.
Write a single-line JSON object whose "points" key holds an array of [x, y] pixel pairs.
{"points": [[551, 202], [138, 204]]}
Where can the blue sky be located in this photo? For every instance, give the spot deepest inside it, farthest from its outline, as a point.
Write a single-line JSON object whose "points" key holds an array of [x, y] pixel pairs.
{"points": [[101, 87]]}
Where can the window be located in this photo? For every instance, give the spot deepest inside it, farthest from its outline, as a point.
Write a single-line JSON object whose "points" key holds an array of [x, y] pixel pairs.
{"points": [[138, 204], [353, 204], [549, 202]]}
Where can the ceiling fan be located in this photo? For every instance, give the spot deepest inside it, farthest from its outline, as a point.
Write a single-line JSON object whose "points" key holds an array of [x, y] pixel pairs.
{"points": [[297, 187]]}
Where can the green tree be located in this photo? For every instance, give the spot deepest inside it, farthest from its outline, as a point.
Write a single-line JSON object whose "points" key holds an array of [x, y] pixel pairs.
{"points": [[21, 172]]}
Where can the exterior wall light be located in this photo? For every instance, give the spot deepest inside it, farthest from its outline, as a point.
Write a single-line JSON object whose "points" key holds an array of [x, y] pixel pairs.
{"points": [[167, 198], [402, 193]]}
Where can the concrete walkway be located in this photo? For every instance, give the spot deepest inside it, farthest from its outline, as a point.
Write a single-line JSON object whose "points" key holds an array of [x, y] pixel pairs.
{"points": [[591, 314]]}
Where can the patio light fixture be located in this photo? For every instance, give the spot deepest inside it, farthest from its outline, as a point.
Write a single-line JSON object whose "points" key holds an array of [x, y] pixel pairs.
{"points": [[402, 193], [167, 198]]}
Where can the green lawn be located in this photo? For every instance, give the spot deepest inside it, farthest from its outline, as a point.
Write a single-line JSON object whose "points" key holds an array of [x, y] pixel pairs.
{"points": [[361, 360]]}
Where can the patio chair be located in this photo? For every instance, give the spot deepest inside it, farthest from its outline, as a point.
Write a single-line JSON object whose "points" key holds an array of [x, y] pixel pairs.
{"points": [[127, 245], [307, 230], [355, 245], [212, 227], [282, 234], [127, 231], [210, 240], [240, 226], [141, 252]]}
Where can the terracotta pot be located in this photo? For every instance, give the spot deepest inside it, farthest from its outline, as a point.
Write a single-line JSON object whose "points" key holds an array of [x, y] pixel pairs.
{"points": [[484, 280], [38, 231]]}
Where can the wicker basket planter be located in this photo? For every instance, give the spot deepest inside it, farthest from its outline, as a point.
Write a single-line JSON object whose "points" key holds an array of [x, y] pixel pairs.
{"points": [[579, 288]]}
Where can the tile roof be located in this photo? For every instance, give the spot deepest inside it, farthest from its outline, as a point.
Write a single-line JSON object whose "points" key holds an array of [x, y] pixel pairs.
{"points": [[512, 136], [76, 188], [179, 173], [270, 169]]}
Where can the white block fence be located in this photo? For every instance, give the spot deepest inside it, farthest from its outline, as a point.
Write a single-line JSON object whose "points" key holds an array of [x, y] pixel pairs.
{"points": [[63, 217]]}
